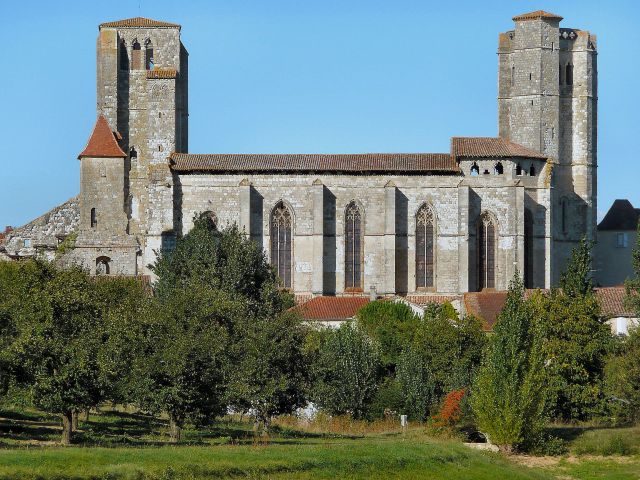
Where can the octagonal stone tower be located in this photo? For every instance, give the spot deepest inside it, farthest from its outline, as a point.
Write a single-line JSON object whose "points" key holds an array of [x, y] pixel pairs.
{"points": [[547, 101]]}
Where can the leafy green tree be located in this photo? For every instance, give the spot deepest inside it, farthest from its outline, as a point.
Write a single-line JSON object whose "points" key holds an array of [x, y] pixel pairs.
{"points": [[577, 340], [509, 393], [269, 374], [346, 372], [622, 379], [451, 346], [58, 332], [417, 382], [181, 366], [263, 343], [392, 325]]}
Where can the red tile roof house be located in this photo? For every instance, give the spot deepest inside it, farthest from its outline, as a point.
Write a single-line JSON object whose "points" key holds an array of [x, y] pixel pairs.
{"points": [[333, 311], [487, 305]]}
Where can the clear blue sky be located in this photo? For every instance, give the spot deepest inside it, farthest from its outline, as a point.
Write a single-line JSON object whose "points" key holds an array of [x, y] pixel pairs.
{"points": [[298, 76]]}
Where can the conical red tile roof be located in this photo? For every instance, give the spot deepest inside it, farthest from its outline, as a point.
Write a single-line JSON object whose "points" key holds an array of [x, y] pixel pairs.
{"points": [[102, 142]]}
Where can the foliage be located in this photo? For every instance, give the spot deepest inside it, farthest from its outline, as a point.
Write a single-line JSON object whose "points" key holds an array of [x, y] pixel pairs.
{"points": [[508, 396], [577, 341], [180, 367], [632, 299], [416, 379], [67, 245], [451, 346], [388, 401], [622, 379], [269, 374], [58, 332], [346, 372], [229, 274], [392, 325], [451, 410]]}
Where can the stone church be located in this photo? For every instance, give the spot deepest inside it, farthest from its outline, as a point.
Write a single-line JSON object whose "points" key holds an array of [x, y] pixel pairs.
{"points": [[335, 224]]}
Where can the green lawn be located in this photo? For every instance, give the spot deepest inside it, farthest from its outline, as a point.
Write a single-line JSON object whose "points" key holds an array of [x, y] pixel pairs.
{"points": [[120, 445]]}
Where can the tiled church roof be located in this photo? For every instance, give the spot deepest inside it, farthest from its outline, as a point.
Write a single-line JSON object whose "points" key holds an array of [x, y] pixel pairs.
{"points": [[536, 15], [362, 162], [489, 147], [102, 142], [138, 22]]}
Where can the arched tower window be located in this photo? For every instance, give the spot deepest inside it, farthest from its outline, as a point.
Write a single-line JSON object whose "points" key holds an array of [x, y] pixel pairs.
{"points": [[124, 56], [425, 247], [353, 247], [103, 266], [136, 56], [569, 74], [281, 226], [148, 56], [475, 170], [486, 252], [528, 249], [94, 218], [532, 170], [518, 169], [498, 169]]}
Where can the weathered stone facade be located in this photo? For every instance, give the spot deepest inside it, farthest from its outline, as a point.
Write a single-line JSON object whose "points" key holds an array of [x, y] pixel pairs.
{"points": [[518, 201]]}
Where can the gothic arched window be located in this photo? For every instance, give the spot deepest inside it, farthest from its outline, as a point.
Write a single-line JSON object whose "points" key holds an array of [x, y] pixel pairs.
{"points": [[425, 249], [353, 247], [103, 266], [136, 56], [486, 252], [281, 227], [528, 249]]}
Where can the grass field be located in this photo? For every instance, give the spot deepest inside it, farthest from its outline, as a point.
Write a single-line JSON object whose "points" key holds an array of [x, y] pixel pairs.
{"points": [[120, 445]]}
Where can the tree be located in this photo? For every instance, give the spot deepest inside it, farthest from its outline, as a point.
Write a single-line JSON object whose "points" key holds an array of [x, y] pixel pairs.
{"points": [[577, 340], [416, 379], [58, 332], [622, 379], [451, 346], [508, 395], [633, 285], [346, 372], [182, 363], [392, 325], [269, 374], [263, 343]]}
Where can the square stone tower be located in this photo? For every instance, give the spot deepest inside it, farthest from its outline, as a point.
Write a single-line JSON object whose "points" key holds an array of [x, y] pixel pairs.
{"points": [[547, 101], [142, 90]]}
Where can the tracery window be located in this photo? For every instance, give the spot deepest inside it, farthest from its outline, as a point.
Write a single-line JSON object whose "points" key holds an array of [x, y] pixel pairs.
{"points": [[353, 247], [486, 252], [425, 241], [281, 243]]}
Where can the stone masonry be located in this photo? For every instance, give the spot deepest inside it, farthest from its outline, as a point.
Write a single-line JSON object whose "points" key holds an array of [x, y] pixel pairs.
{"points": [[520, 201]]}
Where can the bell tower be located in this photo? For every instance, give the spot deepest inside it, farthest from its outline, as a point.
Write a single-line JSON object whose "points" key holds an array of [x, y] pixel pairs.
{"points": [[547, 101], [142, 91]]}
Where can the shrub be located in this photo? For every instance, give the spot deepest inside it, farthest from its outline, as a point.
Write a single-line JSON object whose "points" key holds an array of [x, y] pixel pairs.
{"points": [[451, 411]]}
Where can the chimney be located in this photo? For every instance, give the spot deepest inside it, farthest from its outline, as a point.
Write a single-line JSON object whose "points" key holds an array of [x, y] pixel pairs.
{"points": [[373, 295]]}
